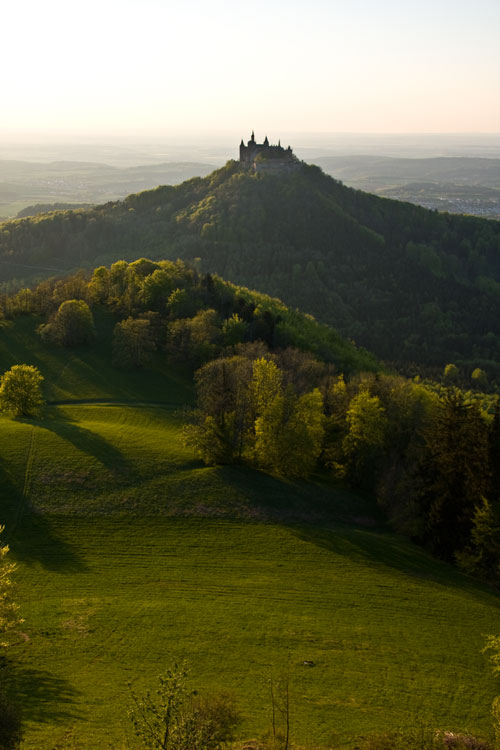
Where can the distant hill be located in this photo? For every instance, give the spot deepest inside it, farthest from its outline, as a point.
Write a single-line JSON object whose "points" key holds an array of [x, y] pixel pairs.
{"points": [[457, 184], [460, 170], [407, 283], [26, 183]]}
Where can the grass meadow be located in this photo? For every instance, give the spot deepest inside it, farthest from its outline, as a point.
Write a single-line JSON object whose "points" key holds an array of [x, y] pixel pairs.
{"points": [[131, 553]]}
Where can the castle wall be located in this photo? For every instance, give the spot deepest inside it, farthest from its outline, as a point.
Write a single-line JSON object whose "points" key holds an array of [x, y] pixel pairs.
{"points": [[279, 159], [275, 165]]}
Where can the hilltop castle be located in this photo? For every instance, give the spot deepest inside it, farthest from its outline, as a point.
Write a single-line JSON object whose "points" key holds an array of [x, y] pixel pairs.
{"points": [[267, 157]]}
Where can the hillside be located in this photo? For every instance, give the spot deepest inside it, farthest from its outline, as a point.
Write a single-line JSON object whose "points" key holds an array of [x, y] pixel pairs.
{"points": [[406, 283], [132, 552]]}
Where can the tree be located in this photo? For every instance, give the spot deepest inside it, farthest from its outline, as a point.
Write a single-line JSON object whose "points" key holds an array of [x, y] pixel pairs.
{"points": [[234, 330], [10, 722], [493, 646], [479, 379], [279, 693], [222, 422], [266, 384], [365, 438], [450, 374], [288, 430], [177, 719], [481, 557], [194, 339], [9, 610], [133, 342], [453, 472], [20, 391], [72, 324]]}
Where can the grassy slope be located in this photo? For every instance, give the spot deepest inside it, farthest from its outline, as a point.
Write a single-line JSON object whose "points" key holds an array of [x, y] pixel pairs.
{"points": [[86, 372], [131, 552]]}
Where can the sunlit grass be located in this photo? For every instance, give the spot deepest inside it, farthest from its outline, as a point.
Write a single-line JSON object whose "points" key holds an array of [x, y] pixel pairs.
{"points": [[131, 553]]}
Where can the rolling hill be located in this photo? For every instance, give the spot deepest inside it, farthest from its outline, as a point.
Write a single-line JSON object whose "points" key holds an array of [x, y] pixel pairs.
{"points": [[23, 183], [131, 552], [407, 283]]}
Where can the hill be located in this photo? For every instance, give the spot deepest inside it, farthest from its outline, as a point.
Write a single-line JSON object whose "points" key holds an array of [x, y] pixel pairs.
{"points": [[405, 282], [385, 171], [76, 182], [131, 552], [462, 185]]}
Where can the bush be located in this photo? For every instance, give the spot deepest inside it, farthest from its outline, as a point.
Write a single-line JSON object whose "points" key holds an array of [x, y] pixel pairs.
{"points": [[177, 719]]}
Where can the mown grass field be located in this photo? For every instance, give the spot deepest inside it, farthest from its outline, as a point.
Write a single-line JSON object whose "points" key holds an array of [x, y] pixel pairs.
{"points": [[131, 553]]}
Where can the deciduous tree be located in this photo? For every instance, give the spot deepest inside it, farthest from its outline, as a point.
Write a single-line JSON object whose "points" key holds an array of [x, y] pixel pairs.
{"points": [[21, 392], [9, 610], [72, 324], [176, 718], [133, 342]]}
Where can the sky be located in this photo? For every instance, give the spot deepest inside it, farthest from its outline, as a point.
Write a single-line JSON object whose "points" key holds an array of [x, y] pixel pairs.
{"points": [[326, 66]]}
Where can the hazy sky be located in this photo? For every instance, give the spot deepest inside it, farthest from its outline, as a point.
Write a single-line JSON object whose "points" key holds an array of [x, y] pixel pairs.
{"points": [[138, 66]]}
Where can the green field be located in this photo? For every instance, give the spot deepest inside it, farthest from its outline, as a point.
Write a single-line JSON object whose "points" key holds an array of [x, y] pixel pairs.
{"points": [[131, 552]]}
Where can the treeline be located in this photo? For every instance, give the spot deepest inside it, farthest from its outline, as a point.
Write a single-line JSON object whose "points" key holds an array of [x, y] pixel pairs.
{"points": [[409, 284], [429, 453], [171, 307]]}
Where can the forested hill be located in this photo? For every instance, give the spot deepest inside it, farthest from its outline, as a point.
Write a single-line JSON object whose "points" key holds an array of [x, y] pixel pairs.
{"points": [[407, 283]]}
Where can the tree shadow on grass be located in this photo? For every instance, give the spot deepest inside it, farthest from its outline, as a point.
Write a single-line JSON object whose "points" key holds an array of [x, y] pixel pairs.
{"points": [[274, 499], [43, 697], [32, 537], [88, 442], [341, 521], [11, 501], [385, 549], [36, 540]]}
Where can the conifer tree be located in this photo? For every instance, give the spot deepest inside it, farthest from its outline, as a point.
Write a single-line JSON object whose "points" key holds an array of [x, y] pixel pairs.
{"points": [[453, 473]]}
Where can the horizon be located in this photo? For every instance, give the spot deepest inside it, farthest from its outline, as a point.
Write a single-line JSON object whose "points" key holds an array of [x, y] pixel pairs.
{"points": [[215, 148]]}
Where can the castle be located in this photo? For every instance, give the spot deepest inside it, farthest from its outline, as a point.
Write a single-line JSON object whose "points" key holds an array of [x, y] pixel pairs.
{"points": [[265, 157]]}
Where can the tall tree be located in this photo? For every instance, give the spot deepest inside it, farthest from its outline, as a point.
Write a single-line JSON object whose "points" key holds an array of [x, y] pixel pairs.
{"points": [[288, 430], [453, 473], [364, 441]]}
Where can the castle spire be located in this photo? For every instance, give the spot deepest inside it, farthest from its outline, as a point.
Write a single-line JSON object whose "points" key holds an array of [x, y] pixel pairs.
{"points": [[253, 136]]}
